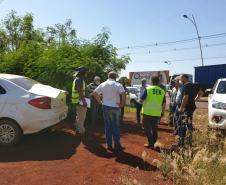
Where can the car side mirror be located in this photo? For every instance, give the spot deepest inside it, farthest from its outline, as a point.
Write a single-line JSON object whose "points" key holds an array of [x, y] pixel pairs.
{"points": [[209, 91]]}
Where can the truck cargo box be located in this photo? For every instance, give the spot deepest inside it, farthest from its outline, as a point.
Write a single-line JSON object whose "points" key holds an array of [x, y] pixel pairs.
{"points": [[206, 76]]}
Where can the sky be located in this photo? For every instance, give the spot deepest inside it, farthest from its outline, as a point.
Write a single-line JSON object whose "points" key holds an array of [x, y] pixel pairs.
{"points": [[139, 22]]}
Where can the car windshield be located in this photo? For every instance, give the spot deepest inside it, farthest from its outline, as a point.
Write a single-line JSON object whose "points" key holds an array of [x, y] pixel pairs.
{"points": [[25, 83], [221, 88]]}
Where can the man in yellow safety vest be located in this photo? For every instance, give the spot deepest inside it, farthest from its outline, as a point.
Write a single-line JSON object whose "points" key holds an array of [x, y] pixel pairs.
{"points": [[153, 108], [79, 100]]}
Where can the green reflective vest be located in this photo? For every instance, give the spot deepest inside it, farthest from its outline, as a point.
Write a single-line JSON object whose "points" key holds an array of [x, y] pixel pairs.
{"points": [[74, 93], [152, 105]]}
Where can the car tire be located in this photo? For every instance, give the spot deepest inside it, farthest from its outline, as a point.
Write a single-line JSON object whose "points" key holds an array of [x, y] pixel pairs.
{"points": [[132, 103], [10, 132]]}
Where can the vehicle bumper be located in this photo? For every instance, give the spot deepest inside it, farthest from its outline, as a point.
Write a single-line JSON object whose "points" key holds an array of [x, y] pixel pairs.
{"points": [[45, 122], [217, 123]]}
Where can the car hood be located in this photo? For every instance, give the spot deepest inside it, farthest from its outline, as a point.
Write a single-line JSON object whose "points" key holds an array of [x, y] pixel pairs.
{"points": [[45, 90], [220, 97]]}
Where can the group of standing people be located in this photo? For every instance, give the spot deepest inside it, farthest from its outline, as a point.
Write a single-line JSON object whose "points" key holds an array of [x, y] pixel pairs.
{"points": [[110, 96], [182, 106]]}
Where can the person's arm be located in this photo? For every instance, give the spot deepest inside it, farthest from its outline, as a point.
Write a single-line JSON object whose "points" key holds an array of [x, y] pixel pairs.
{"points": [[184, 103], [122, 92], [163, 106], [96, 94], [97, 97], [199, 95], [123, 99], [143, 96]]}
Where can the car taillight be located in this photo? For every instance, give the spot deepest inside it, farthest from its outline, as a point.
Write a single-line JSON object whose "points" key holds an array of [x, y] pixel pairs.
{"points": [[41, 103]]}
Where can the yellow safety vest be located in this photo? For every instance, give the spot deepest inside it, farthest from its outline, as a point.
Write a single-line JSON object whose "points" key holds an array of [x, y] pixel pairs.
{"points": [[74, 93], [152, 105]]}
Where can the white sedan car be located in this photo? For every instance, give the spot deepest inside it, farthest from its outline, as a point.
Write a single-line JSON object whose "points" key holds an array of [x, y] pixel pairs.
{"points": [[217, 105], [132, 96], [27, 106]]}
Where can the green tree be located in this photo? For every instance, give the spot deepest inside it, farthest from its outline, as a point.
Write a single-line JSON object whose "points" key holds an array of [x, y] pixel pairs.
{"points": [[51, 55]]}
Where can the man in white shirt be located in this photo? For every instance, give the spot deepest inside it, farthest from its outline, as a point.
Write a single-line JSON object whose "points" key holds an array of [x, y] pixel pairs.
{"points": [[112, 103]]}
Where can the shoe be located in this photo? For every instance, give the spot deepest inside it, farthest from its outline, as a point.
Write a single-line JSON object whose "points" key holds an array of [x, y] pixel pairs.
{"points": [[157, 149], [149, 146], [174, 133], [178, 145], [110, 148], [119, 148]]}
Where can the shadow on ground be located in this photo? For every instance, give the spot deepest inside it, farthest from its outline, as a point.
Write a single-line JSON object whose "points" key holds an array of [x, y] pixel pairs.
{"points": [[56, 145]]}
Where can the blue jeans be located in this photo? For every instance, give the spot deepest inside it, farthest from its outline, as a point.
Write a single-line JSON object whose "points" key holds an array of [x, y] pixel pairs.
{"points": [[112, 116], [176, 118]]}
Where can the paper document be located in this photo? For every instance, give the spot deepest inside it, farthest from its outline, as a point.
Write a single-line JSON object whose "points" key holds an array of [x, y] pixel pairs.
{"points": [[87, 101]]}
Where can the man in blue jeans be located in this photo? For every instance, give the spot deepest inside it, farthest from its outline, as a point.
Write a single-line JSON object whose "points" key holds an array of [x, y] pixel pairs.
{"points": [[111, 92]]}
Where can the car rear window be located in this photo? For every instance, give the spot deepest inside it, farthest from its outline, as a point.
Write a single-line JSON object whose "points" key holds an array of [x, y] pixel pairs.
{"points": [[25, 83], [221, 88], [133, 90]]}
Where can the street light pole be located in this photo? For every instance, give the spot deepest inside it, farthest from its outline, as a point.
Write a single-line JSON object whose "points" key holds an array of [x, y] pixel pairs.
{"points": [[199, 38]]}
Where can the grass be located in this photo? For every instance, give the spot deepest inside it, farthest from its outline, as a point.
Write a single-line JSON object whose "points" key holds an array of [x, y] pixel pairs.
{"points": [[202, 164]]}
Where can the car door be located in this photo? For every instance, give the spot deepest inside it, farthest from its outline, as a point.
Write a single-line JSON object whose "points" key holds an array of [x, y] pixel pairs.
{"points": [[3, 95]]}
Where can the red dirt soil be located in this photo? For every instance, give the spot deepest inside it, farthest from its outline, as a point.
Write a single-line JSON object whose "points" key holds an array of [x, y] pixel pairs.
{"points": [[62, 158]]}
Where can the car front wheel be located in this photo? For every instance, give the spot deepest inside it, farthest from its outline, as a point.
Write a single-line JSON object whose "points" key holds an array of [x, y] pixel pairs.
{"points": [[10, 132]]}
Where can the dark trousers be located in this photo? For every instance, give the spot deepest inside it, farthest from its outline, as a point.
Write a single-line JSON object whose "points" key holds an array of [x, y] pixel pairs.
{"points": [[94, 111], [151, 128], [138, 110], [122, 113], [185, 127], [176, 118]]}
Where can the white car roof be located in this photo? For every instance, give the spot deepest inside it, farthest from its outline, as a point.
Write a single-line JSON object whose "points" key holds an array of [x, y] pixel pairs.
{"points": [[10, 76]]}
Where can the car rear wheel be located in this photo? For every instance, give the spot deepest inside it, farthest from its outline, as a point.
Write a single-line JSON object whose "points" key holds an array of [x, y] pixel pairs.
{"points": [[10, 132]]}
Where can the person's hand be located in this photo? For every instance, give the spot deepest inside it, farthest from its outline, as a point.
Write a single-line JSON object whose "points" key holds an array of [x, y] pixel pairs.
{"points": [[120, 105], [181, 109], [84, 103]]}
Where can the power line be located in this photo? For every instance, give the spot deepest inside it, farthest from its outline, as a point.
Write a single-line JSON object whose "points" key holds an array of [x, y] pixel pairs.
{"points": [[207, 58], [219, 35], [189, 59], [178, 49]]}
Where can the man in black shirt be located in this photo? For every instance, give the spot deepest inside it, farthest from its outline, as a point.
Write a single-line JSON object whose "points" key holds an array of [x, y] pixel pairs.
{"points": [[186, 110]]}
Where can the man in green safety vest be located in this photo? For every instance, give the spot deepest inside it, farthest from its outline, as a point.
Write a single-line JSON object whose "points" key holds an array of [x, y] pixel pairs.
{"points": [[153, 108], [79, 100]]}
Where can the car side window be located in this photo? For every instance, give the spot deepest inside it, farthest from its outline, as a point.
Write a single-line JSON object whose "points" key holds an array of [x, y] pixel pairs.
{"points": [[2, 90]]}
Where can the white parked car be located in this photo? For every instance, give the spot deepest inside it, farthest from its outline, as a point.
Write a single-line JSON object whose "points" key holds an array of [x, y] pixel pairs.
{"points": [[132, 97], [217, 105], [27, 106]]}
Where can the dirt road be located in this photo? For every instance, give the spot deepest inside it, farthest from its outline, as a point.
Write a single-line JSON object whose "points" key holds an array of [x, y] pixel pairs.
{"points": [[61, 158]]}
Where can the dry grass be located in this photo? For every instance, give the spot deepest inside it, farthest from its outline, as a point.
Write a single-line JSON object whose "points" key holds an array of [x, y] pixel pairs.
{"points": [[202, 164]]}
